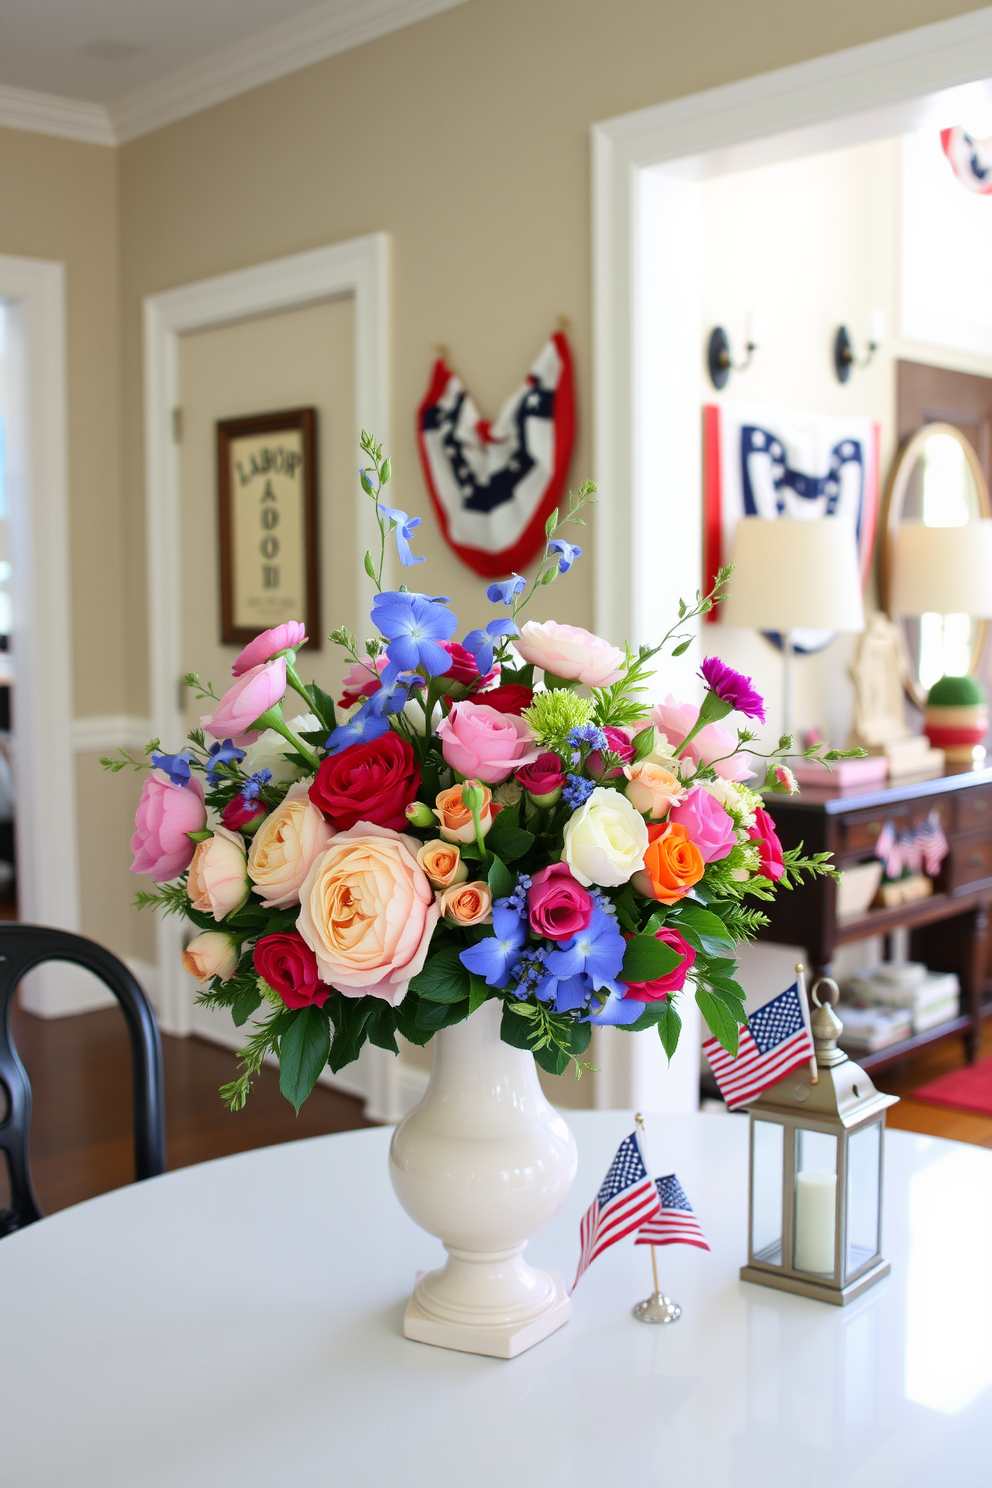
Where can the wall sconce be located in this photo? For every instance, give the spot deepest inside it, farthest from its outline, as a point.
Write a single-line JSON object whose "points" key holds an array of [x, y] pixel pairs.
{"points": [[719, 358], [844, 357]]}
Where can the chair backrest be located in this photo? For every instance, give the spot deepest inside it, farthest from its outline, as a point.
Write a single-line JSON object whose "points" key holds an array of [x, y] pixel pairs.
{"points": [[23, 947]]}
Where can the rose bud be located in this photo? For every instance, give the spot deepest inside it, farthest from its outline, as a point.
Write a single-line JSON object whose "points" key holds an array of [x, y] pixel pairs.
{"points": [[543, 780], [456, 817], [442, 862], [511, 697], [211, 954], [419, 815], [467, 904], [218, 875], [619, 744], [240, 815]]}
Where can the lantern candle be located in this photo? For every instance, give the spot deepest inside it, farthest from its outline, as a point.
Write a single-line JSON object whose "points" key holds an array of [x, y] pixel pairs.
{"points": [[816, 1195]]}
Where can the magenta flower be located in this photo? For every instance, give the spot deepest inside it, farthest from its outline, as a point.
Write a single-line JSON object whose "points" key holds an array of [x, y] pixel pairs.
{"points": [[284, 637], [732, 688]]}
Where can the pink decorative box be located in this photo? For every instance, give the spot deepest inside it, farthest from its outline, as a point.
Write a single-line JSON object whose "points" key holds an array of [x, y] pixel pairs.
{"points": [[872, 770]]}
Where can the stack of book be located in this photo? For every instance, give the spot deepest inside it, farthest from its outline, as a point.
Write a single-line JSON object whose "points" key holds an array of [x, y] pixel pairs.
{"points": [[868, 1029], [889, 1002]]}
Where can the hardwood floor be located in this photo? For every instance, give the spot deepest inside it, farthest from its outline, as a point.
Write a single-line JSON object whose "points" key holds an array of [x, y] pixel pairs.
{"points": [[80, 1073]]}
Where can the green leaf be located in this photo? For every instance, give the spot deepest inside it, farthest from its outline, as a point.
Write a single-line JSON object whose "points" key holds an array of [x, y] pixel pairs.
{"points": [[626, 907], [479, 992], [247, 1000], [643, 743], [501, 881], [669, 1029], [712, 934], [682, 647], [369, 566], [646, 959], [515, 1030], [551, 523], [444, 979], [435, 1015], [723, 1025], [506, 839], [366, 483], [385, 471], [303, 1052], [323, 706], [380, 1028], [551, 682]]}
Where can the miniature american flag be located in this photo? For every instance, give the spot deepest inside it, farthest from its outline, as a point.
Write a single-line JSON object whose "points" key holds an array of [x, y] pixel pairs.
{"points": [[627, 1198], [933, 844], [775, 1042], [675, 1223]]}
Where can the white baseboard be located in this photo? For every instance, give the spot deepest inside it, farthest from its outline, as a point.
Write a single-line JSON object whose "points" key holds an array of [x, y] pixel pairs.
{"points": [[60, 990]]}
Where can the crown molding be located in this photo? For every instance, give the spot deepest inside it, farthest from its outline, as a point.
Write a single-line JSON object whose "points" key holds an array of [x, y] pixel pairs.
{"points": [[319, 33], [47, 113]]}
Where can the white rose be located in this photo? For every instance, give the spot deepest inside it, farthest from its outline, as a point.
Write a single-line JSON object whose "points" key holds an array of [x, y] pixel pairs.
{"points": [[605, 840], [270, 749]]}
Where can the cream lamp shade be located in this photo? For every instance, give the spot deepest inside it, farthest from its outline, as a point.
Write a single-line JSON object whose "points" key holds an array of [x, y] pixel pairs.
{"points": [[794, 575], [943, 570]]}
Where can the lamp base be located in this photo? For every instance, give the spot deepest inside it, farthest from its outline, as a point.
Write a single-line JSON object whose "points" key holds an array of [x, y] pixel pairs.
{"points": [[837, 1296]]}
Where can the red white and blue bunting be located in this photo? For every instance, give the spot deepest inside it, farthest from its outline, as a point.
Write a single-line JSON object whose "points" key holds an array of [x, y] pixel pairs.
{"points": [[970, 159], [494, 485]]}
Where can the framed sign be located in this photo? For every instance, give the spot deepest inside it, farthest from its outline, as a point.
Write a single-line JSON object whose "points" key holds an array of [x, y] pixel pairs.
{"points": [[267, 498]]}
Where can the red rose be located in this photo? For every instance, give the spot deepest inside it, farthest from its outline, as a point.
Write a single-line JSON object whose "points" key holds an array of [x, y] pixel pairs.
{"points": [[373, 782], [542, 777], [510, 698], [240, 815], [763, 832], [672, 981], [289, 966]]}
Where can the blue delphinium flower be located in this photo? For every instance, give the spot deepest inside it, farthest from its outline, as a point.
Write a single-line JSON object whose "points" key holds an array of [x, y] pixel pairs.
{"points": [[616, 1010], [577, 790], [393, 692], [567, 552], [506, 591], [176, 766], [403, 532], [414, 625], [223, 753], [252, 787], [361, 728], [496, 956], [597, 951], [480, 642]]}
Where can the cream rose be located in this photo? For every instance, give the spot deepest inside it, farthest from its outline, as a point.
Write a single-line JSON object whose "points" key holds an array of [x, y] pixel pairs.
{"points": [[569, 651], [442, 862], [467, 904], [367, 912], [652, 790], [284, 847], [605, 840], [218, 878], [211, 954]]}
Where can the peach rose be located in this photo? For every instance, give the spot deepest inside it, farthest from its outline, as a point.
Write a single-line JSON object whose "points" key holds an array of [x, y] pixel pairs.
{"points": [[367, 912], [672, 864], [284, 847], [218, 877], [467, 904], [456, 819], [571, 652], [211, 954], [651, 790], [442, 862]]}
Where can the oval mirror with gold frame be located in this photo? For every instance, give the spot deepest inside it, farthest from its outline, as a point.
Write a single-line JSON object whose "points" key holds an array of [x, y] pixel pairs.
{"points": [[935, 479]]}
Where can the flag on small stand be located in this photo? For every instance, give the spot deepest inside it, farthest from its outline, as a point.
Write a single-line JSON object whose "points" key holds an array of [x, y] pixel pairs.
{"points": [[776, 1041], [627, 1198], [675, 1223]]}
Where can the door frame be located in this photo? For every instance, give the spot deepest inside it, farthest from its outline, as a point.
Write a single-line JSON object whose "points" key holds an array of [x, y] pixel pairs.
{"points": [[358, 268]]}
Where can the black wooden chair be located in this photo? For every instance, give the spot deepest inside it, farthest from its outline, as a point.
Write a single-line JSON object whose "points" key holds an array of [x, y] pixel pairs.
{"points": [[22, 947]]}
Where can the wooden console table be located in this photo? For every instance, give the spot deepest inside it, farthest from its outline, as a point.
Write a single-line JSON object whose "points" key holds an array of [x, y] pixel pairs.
{"points": [[948, 931]]}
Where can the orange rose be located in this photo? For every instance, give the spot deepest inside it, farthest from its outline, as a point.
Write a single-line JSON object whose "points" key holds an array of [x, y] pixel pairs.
{"points": [[672, 864], [467, 904], [442, 862], [455, 817]]}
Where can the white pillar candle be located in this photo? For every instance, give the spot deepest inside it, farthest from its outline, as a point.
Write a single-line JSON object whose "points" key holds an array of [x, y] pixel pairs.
{"points": [[816, 1194]]}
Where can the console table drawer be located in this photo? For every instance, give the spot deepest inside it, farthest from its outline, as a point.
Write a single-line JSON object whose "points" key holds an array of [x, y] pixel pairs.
{"points": [[861, 833], [974, 810], [970, 863]]}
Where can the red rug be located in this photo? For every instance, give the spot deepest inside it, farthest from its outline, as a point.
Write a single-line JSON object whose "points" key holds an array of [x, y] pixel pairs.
{"points": [[968, 1089]]}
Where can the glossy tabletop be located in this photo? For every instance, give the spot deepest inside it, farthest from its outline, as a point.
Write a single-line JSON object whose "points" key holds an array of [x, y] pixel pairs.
{"points": [[240, 1323]]}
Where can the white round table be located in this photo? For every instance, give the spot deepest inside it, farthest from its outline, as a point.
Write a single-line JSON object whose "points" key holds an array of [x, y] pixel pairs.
{"points": [[240, 1323]]}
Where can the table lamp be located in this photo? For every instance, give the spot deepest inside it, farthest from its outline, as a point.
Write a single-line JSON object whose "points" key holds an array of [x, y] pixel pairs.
{"points": [[943, 570], [794, 575]]}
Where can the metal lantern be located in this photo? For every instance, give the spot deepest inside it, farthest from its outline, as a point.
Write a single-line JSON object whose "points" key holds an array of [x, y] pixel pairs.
{"points": [[815, 1208]]}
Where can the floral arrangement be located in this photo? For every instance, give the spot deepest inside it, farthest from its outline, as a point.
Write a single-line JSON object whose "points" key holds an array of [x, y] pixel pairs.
{"points": [[505, 817]]}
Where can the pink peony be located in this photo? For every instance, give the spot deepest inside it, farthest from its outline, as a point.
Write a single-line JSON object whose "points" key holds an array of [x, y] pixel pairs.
{"points": [[283, 638], [557, 904], [484, 743], [165, 814], [708, 825], [569, 651], [711, 743], [253, 694]]}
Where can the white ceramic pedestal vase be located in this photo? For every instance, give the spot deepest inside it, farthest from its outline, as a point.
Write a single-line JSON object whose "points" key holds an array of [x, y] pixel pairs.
{"points": [[483, 1162]]}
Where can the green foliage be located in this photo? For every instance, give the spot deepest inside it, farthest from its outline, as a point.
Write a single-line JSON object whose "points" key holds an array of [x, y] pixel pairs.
{"points": [[646, 959], [704, 930], [303, 1052], [170, 898], [501, 881], [506, 838], [264, 1041], [660, 1015], [444, 979], [555, 1040], [723, 1025]]}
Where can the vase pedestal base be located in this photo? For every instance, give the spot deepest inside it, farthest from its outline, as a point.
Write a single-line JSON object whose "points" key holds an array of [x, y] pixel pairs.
{"points": [[474, 1332]]}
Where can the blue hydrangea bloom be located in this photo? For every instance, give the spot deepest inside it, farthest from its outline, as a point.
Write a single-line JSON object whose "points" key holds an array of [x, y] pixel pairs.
{"points": [[567, 994], [567, 553], [414, 625], [614, 1012], [506, 591], [253, 785], [481, 643], [496, 957], [577, 791], [176, 766], [403, 531], [588, 733], [597, 952]]}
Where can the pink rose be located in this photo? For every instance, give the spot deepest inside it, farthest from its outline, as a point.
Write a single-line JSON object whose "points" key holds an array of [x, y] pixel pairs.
{"points": [[569, 651], [166, 813], [709, 746], [558, 905], [652, 790], [619, 743], [544, 779], [285, 846], [218, 875], [707, 824], [211, 954], [367, 911], [253, 694], [772, 863], [672, 981], [479, 741], [283, 638]]}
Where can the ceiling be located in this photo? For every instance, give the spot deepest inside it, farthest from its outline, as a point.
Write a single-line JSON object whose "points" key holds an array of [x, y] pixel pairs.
{"points": [[144, 62]]}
